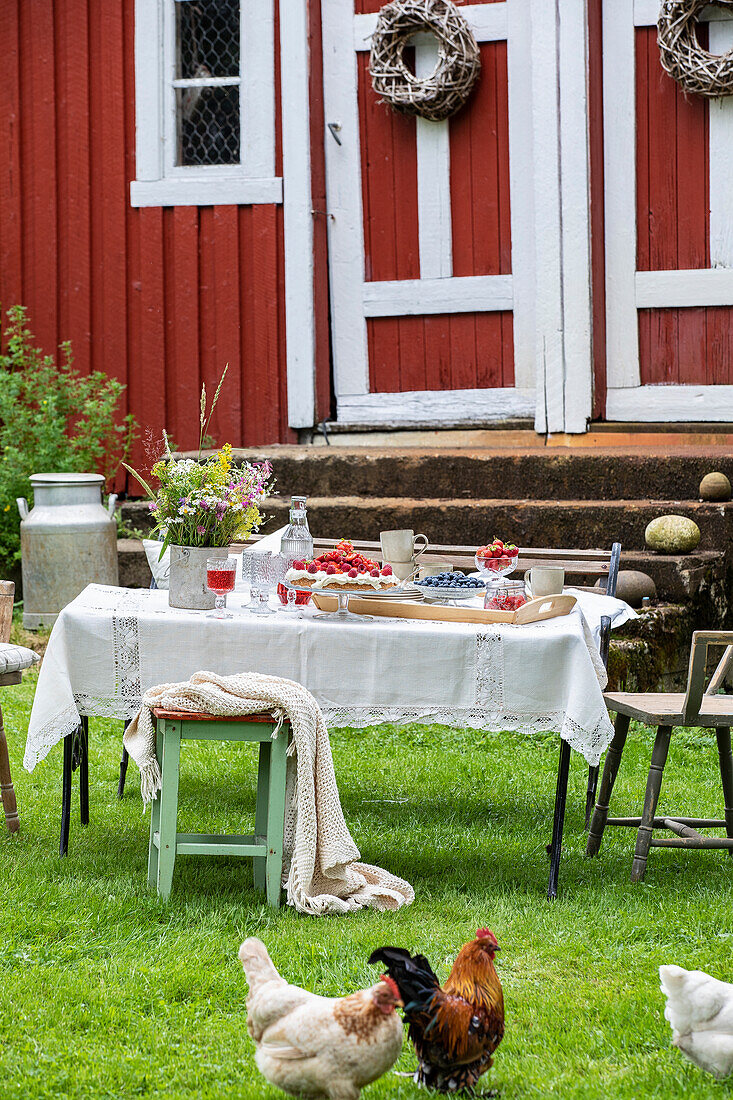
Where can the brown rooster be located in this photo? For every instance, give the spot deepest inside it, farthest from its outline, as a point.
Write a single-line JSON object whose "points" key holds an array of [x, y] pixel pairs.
{"points": [[454, 1029]]}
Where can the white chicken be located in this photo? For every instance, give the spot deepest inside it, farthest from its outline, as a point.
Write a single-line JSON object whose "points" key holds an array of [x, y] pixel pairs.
{"points": [[700, 1010], [319, 1046]]}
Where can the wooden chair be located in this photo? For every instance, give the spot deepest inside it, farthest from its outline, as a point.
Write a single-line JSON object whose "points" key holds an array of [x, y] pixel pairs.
{"points": [[13, 660], [665, 711], [265, 847]]}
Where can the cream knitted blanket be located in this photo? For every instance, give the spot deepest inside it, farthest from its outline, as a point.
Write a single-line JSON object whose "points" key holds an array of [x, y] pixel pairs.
{"points": [[321, 860]]}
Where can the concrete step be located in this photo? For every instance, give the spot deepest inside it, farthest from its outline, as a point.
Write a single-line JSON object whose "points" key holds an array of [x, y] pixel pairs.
{"points": [[548, 473], [583, 524]]}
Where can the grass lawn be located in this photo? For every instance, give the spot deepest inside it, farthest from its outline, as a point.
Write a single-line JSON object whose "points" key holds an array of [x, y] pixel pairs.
{"points": [[108, 993]]}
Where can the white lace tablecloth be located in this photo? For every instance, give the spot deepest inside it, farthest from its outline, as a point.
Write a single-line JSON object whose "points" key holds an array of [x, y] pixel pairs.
{"points": [[111, 644]]}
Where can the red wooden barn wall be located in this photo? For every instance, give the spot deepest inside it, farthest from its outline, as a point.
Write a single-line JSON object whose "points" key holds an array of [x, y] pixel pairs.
{"points": [[676, 345], [456, 351], [159, 298]]}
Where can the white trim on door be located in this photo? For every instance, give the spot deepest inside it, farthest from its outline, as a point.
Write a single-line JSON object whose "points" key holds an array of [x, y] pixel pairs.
{"points": [[437, 407], [300, 340], [657, 404]]}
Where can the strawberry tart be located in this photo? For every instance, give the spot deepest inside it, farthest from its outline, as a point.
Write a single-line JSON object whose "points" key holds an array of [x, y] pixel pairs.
{"points": [[341, 568]]}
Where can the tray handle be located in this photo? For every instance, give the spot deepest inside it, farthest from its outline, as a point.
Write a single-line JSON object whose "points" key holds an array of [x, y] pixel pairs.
{"points": [[544, 607]]}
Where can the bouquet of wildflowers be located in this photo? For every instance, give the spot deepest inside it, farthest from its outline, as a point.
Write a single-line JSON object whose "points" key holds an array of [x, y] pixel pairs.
{"points": [[209, 502]]}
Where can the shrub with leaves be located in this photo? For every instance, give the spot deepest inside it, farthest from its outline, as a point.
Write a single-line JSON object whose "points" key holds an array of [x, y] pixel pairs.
{"points": [[52, 419]]}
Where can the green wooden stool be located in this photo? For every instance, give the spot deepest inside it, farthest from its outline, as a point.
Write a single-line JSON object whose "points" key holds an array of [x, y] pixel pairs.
{"points": [[265, 848]]}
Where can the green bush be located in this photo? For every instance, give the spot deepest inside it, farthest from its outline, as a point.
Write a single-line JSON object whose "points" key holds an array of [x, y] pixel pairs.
{"points": [[52, 419]]}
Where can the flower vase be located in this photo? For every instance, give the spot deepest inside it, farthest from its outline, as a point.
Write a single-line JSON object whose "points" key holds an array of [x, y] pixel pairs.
{"points": [[188, 576]]}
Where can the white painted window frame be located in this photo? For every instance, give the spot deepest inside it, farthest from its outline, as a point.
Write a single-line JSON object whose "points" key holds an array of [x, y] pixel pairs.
{"points": [[628, 290], [552, 314], [159, 181]]}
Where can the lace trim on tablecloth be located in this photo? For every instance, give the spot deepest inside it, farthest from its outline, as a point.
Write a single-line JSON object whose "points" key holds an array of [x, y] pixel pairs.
{"points": [[126, 647], [589, 743], [107, 706], [49, 735], [490, 670]]}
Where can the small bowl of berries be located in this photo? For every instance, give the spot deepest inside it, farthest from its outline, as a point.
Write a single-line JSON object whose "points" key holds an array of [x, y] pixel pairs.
{"points": [[496, 560], [505, 595], [450, 586]]}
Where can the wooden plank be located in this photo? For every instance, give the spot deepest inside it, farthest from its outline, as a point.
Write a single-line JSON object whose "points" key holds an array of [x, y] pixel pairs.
{"points": [[660, 403], [521, 175], [38, 145], [183, 385], [721, 158], [205, 192], [228, 415], [151, 409], [438, 405], [261, 406], [346, 243], [7, 595], [299, 304], [619, 120], [412, 374], [429, 296], [108, 193], [718, 347], [595, 166], [433, 177], [665, 289], [493, 357], [11, 221], [488, 22], [74, 245]]}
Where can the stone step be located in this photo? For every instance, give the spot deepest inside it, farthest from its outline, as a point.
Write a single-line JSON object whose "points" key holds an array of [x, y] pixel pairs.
{"points": [[547, 474], [582, 524]]}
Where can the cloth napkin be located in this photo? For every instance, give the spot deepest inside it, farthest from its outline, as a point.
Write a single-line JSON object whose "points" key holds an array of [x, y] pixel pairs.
{"points": [[324, 873]]}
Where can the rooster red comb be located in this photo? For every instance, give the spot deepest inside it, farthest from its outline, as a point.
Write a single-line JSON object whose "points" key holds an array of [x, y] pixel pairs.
{"points": [[392, 984], [486, 934]]}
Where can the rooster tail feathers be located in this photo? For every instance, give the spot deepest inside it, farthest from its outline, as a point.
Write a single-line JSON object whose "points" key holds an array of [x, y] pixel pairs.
{"points": [[415, 978], [258, 966]]}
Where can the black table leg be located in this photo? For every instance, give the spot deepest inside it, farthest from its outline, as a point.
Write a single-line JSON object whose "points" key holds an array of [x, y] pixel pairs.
{"points": [[559, 819], [123, 766], [83, 734], [66, 794]]}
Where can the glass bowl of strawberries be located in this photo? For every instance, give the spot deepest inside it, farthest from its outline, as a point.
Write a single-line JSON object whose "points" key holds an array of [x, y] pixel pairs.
{"points": [[496, 560]]}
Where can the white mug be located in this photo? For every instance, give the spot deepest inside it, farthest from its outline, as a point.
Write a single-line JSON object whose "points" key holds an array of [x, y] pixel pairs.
{"points": [[545, 580], [401, 546]]}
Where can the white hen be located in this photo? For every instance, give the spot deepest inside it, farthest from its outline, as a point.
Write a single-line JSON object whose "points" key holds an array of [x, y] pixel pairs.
{"points": [[319, 1046], [700, 1010]]}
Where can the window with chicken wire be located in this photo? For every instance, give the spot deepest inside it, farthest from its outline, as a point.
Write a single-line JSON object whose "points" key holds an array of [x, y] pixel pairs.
{"points": [[205, 102]]}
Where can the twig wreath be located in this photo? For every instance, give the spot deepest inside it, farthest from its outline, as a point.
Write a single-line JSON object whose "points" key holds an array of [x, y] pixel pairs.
{"points": [[447, 88], [683, 57]]}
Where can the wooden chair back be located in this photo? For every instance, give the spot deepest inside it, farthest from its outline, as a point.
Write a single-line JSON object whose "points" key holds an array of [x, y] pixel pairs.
{"points": [[701, 640], [7, 595]]}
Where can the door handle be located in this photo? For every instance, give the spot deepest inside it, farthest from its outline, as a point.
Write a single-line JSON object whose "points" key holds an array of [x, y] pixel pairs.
{"points": [[335, 127]]}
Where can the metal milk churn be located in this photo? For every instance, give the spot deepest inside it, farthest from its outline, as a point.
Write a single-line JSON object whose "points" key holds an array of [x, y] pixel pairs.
{"points": [[68, 540]]}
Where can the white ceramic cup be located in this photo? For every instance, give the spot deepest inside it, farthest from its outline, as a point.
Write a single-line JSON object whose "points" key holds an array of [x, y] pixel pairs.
{"points": [[402, 546], [545, 580]]}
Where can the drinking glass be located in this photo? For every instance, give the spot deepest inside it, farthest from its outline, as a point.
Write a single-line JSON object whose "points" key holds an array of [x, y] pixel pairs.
{"points": [[220, 578], [290, 600], [260, 581]]}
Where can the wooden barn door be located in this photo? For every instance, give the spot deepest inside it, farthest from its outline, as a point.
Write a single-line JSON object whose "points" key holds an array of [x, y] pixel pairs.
{"points": [[669, 227], [436, 229]]}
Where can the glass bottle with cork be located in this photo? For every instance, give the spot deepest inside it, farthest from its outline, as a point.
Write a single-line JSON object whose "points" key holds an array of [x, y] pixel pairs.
{"points": [[296, 545]]}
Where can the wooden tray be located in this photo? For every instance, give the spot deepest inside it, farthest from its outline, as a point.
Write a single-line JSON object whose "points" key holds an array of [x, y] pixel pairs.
{"points": [[534, 611]]}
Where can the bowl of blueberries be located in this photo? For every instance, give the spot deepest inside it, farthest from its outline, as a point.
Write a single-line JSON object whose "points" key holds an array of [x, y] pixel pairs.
{"points": [[451, 586]]}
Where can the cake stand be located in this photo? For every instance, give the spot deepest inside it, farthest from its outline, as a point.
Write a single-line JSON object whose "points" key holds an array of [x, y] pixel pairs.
{"points": [[342, 613]]}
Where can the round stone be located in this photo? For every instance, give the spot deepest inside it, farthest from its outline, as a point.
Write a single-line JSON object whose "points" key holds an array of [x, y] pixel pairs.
{"points": [[715, 486], [672, 534], [632, 586]]}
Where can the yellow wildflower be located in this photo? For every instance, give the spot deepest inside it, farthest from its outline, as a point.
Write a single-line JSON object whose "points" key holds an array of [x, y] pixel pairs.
{"points": [[225, 457], [6, 508]]}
